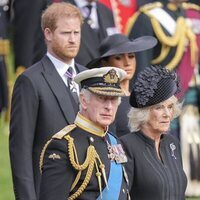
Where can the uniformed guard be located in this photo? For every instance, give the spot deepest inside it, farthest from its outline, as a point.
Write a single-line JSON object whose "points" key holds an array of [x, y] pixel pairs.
{"points": [[84, 160], [4, 49]]}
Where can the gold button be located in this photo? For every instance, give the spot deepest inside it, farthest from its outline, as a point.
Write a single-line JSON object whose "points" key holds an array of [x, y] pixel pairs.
{"points": [[123, 190]]}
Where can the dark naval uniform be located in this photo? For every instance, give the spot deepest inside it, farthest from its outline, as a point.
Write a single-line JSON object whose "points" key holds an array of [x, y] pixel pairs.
{"points": [[77, 163]]}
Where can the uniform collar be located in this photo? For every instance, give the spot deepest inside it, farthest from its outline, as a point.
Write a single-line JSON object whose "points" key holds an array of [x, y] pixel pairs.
{"points": [[89, 126]]}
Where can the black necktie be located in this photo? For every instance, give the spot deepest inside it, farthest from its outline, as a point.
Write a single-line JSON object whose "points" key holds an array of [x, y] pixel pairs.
{"points": [[71, 84]]}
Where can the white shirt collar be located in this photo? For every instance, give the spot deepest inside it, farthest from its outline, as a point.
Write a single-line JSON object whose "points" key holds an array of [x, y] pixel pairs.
{"points": [[83, 3], [60, 66]]}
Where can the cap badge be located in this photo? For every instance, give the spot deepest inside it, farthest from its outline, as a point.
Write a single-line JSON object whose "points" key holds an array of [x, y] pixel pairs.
{"points": [[111, 77]]}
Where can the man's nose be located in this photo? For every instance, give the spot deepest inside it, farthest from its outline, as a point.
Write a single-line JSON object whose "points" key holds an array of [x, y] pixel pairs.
{"points": [[72, 37], [108, 104]]}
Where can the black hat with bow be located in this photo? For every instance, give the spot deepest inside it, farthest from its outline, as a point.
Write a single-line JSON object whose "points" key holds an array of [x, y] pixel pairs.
{"points": [[153, 85]]}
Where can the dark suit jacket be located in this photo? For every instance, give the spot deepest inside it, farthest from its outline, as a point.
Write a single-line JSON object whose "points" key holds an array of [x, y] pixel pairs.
{"points": [[91, 39], [41, 106]]}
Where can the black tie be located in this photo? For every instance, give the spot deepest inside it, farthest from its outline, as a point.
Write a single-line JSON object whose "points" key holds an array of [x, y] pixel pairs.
{"points": [[71, 83]]}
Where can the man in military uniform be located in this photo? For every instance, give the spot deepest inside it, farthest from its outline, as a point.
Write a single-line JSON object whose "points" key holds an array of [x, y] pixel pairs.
{"points": [[4, 48], [178, 49], [84, 160]]}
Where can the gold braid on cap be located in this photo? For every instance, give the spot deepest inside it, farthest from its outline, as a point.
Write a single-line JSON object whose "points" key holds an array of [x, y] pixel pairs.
{"points": [[92, 160]]}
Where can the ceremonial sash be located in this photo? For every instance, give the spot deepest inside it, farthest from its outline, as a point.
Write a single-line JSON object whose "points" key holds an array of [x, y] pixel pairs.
{"points": [[165, 19], [114, 180]]}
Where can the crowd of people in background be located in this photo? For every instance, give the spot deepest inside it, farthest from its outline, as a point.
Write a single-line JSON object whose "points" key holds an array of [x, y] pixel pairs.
{"points": [[49, 52]]}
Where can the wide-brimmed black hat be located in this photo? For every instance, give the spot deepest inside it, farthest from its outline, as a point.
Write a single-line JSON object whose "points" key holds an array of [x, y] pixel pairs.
{"points": [[153, 85], [103, 81], [120, 44]]}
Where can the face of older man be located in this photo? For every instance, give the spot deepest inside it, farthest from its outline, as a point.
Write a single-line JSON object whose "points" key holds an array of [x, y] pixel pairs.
{"points": [[99, 109]]}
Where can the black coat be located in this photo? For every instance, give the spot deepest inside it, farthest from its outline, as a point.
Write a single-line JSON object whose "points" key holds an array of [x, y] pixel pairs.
{"points": [[41, 106], [150, 177]]}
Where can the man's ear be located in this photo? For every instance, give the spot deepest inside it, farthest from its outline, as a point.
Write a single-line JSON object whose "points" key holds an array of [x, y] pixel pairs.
{"points": [[83, 101], [48, 34]]}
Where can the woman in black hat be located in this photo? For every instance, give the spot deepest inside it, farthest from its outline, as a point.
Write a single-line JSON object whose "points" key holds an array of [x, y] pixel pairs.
{"points": [[119, 51], [155, 164]]}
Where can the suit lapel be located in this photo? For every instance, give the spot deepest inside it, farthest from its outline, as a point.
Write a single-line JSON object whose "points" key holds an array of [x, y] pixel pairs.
{"points": [[59, 90]]}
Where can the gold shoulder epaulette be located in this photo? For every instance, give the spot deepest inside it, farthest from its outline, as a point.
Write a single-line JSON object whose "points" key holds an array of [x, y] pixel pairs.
{"points": [[150, 6], [191, 6], [67, 129], [59, 135]]}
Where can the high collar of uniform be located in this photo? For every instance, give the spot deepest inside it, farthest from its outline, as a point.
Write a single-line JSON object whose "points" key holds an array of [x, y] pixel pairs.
{"points": [[89, 126]]}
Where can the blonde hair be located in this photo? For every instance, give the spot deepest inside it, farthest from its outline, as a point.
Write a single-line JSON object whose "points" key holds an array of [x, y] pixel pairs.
{"points": [[139, 116], [59, 10]]}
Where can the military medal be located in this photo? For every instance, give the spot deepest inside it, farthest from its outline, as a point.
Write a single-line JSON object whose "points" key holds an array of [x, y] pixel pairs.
{"points": [[116, 153]]}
